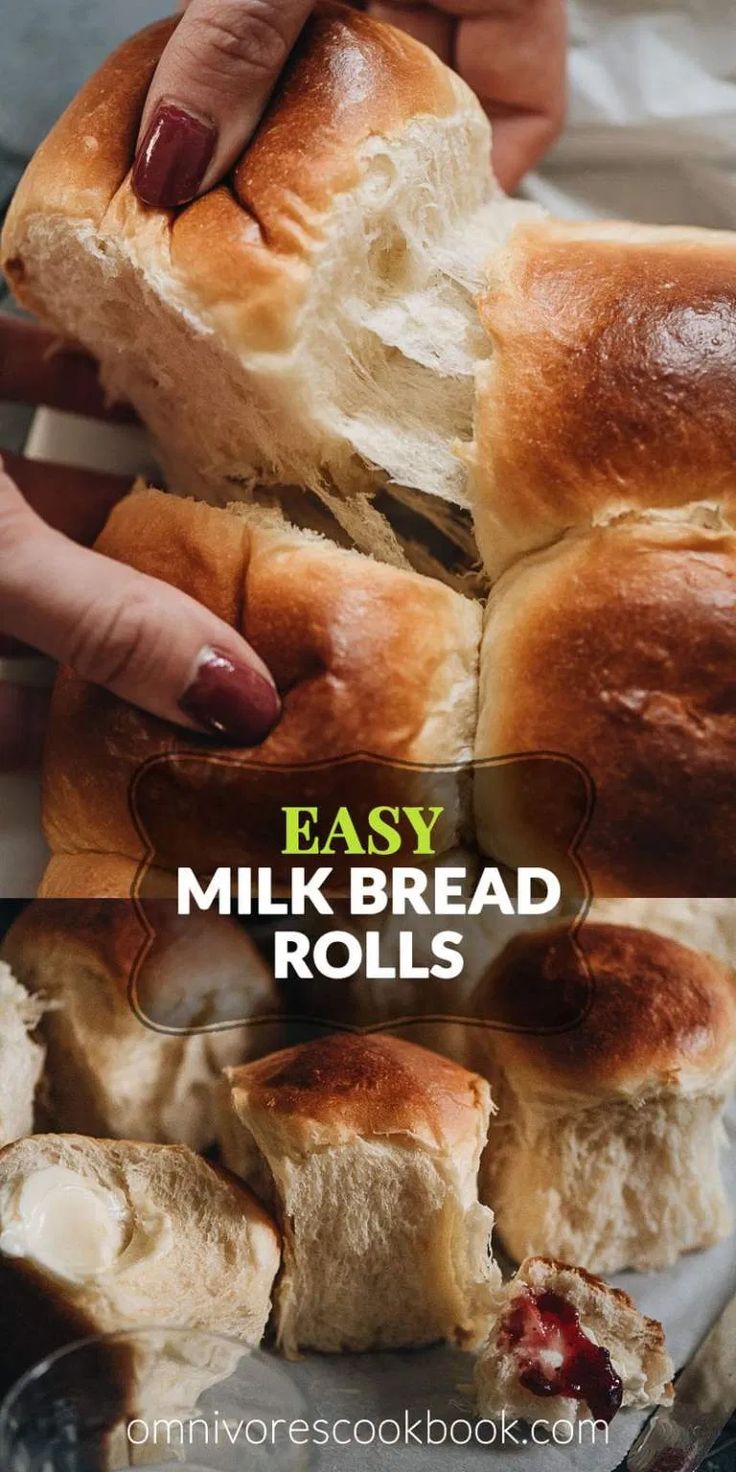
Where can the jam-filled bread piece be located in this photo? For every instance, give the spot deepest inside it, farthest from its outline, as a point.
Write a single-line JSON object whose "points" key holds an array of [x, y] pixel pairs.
{"points": [[565, 1346]]}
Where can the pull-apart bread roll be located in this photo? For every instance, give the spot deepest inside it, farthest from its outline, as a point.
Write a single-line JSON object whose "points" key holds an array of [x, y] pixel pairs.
{"points": [[100, 1235], [606, 1148], [565, 1346], [108, 1070], [616, 648], [312, 320], [368, 658], [605, 445], [610, 389], [367, 1150], [21, 1056]]}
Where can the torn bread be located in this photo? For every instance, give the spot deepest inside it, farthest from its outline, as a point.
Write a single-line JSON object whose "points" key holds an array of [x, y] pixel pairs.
{"points": [[367, 1150], [21, 1056], [102, 1235]]}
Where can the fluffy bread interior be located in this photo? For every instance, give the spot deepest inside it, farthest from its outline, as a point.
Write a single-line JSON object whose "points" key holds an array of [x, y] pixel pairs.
{"points": [[621, 1184], [366, 1150], [375, 384], [109, 1072], [198, 1248], [21, 1056], [384, 1247]]}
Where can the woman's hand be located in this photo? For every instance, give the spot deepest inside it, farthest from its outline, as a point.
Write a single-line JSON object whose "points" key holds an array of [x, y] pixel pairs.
{"points": [[217, 73], [139, 637]]}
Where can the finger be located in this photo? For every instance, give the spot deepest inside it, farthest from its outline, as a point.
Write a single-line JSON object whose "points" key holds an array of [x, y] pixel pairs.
{"points": [[75, 502], [514, 59], [142, 639], [424, 23], [36, 369], [209, 91]]}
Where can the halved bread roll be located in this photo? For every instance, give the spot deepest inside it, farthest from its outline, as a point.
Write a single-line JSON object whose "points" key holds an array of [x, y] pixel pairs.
{"points": [[367, 1150], [137, 1031], [21, 1056], [565, 1346], [103, 1235], [607, 1146]]}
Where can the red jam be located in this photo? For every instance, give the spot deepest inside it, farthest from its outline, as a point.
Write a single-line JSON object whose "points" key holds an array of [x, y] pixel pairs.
{"points": [[556, 1358]]}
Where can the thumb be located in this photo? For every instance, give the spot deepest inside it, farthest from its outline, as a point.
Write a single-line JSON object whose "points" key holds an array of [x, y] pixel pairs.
{"points": [[208, 93], [146, 641]]}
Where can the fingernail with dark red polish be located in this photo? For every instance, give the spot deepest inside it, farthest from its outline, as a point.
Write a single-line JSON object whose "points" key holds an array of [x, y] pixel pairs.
{"points": [[231, 699], [173, 157]]}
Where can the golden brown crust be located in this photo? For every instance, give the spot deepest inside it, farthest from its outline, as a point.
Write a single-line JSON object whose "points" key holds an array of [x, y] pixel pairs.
{"points": [[611, 386], [367, 658], [356, 1085], [241, 249], [102, 876], [654, 1014], [617, 649]]}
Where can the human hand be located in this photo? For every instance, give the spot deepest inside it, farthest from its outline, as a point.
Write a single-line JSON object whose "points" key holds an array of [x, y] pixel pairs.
{"points": [[217, 72], [513, 55], [143, 639]]}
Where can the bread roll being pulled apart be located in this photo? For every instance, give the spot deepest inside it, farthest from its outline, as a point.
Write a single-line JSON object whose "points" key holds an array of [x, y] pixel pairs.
{"points": [[310, 322], [565, 1346], [98, 1236], [367, 1151], [606, 1150]]}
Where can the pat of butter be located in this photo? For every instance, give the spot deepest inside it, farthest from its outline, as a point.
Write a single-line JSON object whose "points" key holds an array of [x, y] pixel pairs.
{"points": [[66, 1223]]}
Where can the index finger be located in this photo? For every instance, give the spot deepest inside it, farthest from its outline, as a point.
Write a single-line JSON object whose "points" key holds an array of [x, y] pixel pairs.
{"points": [[35, 368]]}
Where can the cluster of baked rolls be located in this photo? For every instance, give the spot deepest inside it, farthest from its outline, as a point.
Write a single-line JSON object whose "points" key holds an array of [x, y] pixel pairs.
{"points": [[359, 329], [369, 1179]]}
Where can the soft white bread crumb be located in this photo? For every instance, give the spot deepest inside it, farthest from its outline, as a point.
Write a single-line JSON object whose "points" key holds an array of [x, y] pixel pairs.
{"points": [[188, 1244], [21, 1058], [367, 1150]]}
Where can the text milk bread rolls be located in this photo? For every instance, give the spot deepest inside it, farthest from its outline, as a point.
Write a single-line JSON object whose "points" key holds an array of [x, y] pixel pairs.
{"points": [[566, 1347], [312, 320], [368, 658], [610, 390], [101, 1235], [136, 1035], [606, 1150], [367, 1150], [21, 1056]]}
